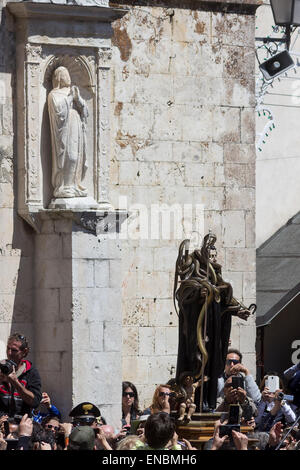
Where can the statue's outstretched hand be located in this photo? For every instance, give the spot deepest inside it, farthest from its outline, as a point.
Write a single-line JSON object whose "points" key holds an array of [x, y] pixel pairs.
{"points": [[243, 314]]}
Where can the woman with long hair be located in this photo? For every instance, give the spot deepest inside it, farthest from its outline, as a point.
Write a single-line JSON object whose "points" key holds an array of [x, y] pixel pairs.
{"points": [[130, 403], [160, 400]]}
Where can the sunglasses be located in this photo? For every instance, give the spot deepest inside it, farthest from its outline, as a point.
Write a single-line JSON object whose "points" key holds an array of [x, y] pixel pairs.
{"points": [[49, 426], [232, 361], [128, 394], [21, 337], [164, 394]]}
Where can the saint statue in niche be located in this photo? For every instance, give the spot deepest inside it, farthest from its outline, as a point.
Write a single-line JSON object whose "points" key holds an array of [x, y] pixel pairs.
{"points": [[68, 117]]}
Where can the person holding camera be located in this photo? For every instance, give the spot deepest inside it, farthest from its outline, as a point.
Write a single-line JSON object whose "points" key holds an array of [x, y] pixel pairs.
{"points": [[234, 366], [20, 383], [233, 395], [272, 409]]}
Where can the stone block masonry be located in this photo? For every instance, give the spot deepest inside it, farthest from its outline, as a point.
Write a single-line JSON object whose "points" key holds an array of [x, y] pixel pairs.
{"points": [[181, 132], [183, 98], [77, 323]]}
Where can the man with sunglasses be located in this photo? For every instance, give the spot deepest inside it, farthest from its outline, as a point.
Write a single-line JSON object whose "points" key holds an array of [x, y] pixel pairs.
{"points": [[20, 388], [234, 366]]}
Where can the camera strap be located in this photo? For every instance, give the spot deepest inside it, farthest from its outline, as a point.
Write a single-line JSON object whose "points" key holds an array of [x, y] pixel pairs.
{"points": [[12, 403]]}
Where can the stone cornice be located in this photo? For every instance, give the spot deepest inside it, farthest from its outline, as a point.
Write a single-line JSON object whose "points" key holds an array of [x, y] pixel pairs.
{"points": [[63, 12], [226, 6]]}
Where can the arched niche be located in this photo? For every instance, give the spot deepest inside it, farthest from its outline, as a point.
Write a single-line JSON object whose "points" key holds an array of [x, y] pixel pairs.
{"points": [[82, 76]]}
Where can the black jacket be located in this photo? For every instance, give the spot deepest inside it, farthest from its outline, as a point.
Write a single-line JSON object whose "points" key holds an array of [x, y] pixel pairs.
{"points": [[14, 405]]}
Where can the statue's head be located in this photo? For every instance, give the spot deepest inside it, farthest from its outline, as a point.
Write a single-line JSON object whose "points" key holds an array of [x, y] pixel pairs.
{"points": [[208, 246], [212, 251], [61, 78]]}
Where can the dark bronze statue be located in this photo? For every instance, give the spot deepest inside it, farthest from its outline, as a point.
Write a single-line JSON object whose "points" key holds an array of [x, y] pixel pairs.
{"points": [[206, 305]]}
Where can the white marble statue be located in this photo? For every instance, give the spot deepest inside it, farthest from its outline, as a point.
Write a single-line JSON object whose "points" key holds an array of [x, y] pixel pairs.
{"points": [[68, 116]]}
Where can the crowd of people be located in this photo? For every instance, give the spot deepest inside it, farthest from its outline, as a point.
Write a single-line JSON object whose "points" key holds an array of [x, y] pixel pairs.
{"points": [[248, 416]]}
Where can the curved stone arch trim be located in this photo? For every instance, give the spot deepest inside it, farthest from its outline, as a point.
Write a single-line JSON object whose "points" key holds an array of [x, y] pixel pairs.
{"points": [[75, 64]]}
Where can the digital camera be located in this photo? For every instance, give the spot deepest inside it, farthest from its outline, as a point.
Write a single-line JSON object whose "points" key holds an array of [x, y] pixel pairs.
{"points": [[6, 366]]}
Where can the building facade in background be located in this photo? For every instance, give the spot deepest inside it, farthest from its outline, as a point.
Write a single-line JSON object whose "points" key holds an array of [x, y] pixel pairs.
{"points": [[179, 85]]}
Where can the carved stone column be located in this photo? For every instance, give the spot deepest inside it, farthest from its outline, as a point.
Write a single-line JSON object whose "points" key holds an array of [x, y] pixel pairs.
{"points": [[77, 286]]}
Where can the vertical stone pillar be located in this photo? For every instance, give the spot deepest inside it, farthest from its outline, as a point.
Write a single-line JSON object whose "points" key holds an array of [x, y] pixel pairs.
{"points": [[78, 316], [76, 283]]}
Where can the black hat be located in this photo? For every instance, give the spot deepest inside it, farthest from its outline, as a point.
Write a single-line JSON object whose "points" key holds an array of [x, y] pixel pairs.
{"points": [[85, 411]]}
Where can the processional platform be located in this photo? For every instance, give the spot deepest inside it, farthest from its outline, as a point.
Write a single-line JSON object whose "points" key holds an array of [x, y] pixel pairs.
{"points": [[201, 428]]}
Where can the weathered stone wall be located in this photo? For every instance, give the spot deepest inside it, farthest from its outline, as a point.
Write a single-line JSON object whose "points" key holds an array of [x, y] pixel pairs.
{"points": [[16, 242], [184, 133]]}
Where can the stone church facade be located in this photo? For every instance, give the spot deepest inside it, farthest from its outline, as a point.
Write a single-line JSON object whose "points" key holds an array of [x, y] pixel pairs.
{"points": [[169, 88]]}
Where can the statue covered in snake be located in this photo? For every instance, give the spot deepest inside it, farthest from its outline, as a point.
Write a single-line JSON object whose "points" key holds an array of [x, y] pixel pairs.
{"points": [[206, 305]]}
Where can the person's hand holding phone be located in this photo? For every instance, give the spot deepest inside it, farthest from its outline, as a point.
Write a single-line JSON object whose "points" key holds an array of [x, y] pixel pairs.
{"points": [[237, 368], [240, 440], [25, 426], [241, 395], [217, 440]]}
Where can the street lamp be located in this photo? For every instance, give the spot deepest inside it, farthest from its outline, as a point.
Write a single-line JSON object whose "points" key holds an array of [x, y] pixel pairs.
{"points": [[286, 13]]}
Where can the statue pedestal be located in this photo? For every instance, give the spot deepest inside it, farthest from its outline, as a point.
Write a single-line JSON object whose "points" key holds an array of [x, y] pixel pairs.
{"points": [[78, 204]]}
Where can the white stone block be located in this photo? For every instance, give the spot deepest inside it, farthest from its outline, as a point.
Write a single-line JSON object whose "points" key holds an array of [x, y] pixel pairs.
{"points": [[241, 29], [233, 228], [115, 274], [155, 89], [16, 307], [9, 274], [130, 336], [135, 120], [96, 336], [146, 341], [249, 285], [165, 258], [226, 124], [100, 304], [191, 26], [159, 368], [235, 152], [129, 285], [102, 278], [247, 338], [171, 341], [166, 123], [200, 175], [154, 151], [250, 229], [236, 280], [112, 336], [135, 312], [162, 313], [89, 246], [196, 122], [83, 273], [240, 259], [153, 285], [243, 199], [136, 369]]}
